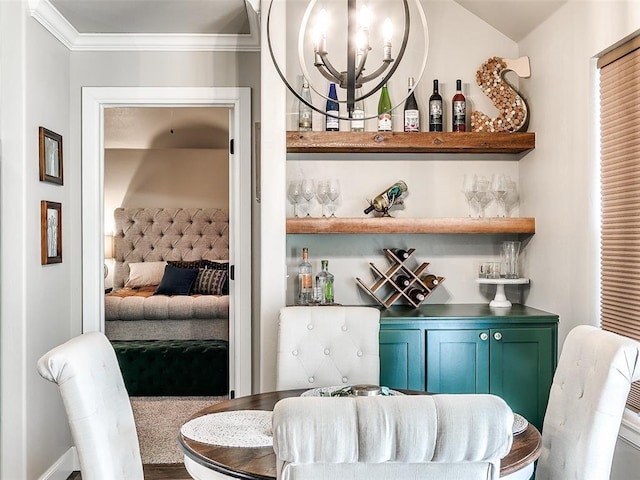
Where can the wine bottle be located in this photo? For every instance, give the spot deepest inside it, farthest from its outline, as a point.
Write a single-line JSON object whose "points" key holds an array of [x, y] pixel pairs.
{"points": [[357, 122], [459, 106], [411, 111], [402, 281], [400, 253], [435, 109], [324, 281], [385, 123], [305, 114], [430, 281], [417, 295], [387, 198], [305, 281], [332, 108]]}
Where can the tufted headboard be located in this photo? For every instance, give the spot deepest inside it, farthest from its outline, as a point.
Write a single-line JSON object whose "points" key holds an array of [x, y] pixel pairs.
{"points": [[157, 234]]}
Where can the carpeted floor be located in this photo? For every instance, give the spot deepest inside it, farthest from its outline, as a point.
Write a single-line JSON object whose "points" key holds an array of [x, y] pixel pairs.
{"points": [[158, 421]]}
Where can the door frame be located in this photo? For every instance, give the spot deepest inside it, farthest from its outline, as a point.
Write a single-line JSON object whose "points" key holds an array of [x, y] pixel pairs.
{"points": [[238, 100]]}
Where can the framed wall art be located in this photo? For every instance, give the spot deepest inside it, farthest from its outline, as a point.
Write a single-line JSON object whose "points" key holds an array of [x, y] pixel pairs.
{"points": [[51, 232], [50, 156]]}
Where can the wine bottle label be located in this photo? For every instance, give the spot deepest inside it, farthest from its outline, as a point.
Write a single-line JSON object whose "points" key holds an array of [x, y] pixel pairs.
{"points": [[305, 123], [411, 121], [459, 112], [435, 110], [333, 123], [384, 122], [357, 123]]}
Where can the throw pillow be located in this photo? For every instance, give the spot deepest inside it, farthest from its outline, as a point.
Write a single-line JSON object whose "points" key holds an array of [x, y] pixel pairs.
{"points": [[185, 263], [210, 282], [216, 265], [176, 281], [143, 274]]}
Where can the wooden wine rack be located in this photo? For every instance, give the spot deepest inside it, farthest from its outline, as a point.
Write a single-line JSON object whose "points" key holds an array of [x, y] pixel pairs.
{"points": [[398, 292]]}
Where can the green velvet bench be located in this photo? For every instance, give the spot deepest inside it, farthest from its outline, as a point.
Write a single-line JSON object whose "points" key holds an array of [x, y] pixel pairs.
{"points": [[174, 367]]}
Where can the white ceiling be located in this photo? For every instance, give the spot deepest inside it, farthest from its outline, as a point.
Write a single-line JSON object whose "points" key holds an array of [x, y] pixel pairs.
{"points": [[212, 25], [514, 18], [219, 24]]}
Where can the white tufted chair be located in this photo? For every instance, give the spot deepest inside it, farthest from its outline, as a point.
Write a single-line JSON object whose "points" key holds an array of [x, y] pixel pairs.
{"points": [[97, 405], [322, 346], [586, 403], [381, 438]]}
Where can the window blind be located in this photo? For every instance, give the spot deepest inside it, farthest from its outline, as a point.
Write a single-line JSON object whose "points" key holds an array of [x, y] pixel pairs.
{"points": [[620, 195]]}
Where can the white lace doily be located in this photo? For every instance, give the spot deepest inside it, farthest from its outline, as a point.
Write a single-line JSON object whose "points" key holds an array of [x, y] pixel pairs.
{"points": [[239, 428]]}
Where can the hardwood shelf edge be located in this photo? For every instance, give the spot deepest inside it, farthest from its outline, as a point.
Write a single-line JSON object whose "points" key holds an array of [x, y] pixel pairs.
{"points": [[401, 142], [385, 225]]}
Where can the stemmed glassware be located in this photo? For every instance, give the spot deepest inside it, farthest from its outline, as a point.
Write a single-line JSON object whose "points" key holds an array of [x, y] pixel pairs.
{"points": [[511, 197], [483, 194], [322, 194], [469, 191], [294, 194], [499, 184], [333, 194], [308, 192]]}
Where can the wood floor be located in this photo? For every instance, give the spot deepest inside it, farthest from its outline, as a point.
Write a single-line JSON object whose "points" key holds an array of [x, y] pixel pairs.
{"points": [[155, 472]]}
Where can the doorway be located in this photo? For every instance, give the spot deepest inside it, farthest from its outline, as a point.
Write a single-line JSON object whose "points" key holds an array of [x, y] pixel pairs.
{"points": [[238, 101]]}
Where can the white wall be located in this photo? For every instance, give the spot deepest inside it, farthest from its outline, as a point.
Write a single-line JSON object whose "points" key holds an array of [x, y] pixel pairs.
{"points": [[459, 44], [174, 178], [560, 178], [40, 306], [36, 301]]}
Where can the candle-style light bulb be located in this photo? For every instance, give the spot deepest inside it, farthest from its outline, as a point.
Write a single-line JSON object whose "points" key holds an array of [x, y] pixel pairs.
{"points": [[320, 40], [364, 17], [387, 30]]}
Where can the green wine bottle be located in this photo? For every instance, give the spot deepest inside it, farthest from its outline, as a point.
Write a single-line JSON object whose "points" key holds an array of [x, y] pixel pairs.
{"points": [[384, 111]]}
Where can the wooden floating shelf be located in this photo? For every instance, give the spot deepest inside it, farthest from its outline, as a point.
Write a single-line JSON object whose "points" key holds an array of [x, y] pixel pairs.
{"points": [[462, 225], [401, 142]]}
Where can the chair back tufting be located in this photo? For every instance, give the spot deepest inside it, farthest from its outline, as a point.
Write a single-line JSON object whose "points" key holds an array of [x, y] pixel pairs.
{"points": [[321, 346], [97, 405], [586, 403], [380, 438]]}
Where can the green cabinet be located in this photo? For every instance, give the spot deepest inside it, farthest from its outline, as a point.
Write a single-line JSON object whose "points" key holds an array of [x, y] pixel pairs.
{"points": [[509, 352], [401, 358]]}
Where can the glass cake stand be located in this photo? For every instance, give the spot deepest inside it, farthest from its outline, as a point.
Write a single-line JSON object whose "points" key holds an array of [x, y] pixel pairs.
{"points": [[500, 300]]}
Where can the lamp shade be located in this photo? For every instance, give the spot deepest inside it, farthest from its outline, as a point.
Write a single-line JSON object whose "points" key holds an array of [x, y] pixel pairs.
{"points": [[108, 246]]}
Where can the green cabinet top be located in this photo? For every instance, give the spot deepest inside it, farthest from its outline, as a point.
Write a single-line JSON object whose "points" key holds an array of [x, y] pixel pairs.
{"points": [[466, 312]]}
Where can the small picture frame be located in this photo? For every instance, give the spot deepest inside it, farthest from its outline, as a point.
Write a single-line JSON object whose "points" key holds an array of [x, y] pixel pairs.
{"points": [[51, 232], [50, 156]]}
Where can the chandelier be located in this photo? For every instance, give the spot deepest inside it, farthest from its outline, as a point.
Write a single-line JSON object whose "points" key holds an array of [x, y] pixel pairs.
{"points": [[353, 74]]}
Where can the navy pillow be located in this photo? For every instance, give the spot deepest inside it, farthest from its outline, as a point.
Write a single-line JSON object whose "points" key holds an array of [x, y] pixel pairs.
{"points": [[176, 281]]}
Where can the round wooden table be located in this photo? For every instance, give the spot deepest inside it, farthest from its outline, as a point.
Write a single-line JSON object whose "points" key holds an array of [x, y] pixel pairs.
{"points": [[260, 463]]}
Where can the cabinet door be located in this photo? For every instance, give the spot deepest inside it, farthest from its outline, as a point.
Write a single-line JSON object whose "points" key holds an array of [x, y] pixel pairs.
{"points": [[522, 365], [402, 359], [457, 361]]}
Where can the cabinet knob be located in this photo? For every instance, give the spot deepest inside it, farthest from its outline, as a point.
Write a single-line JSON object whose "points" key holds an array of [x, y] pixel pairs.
{"points": [[497, 336], [484, 336]]}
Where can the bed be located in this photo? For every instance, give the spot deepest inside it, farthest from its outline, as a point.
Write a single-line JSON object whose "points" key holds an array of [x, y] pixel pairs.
{"points": [[168, 314], [146, 240]]}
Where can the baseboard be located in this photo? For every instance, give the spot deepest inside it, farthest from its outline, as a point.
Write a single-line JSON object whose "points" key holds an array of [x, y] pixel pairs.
{"points": [[630, 428], [63, 467]]}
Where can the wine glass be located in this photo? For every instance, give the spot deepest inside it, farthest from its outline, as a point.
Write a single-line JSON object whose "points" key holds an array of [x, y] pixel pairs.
{"points": [[294, 194], [469, 191], [333, 193], [483, 194], [322, 193], [511, 197], [499, 190], [308, 192]]}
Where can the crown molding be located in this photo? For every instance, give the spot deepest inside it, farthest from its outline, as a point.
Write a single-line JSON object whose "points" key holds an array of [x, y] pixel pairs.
{"points": [[49, 17]]}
